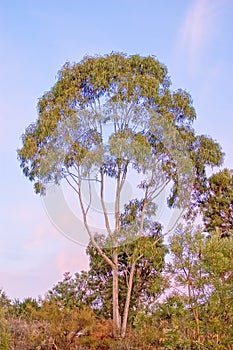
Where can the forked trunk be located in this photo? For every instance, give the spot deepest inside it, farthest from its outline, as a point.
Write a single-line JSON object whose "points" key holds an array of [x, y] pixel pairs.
{"points": [[127, 302]]}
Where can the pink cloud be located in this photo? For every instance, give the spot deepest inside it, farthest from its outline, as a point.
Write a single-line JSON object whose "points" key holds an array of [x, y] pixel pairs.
{"points": [[44, 234], [37, 239], [72, 260], [29, 283]]}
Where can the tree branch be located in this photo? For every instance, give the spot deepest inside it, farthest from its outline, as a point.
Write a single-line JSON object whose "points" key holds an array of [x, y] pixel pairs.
{"points": [[95, 244], [103, 203]]}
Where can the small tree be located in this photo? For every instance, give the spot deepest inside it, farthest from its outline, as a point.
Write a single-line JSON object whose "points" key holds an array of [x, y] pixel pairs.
{"points": [[217, 203], [186, 250], [93, 288], [202, 269], [115, 117]]}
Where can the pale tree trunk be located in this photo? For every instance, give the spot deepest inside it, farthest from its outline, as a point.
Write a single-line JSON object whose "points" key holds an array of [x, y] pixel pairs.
{"points": [[131, 276], [127, 301], [113, 263], [115, 286], [115, 296]]}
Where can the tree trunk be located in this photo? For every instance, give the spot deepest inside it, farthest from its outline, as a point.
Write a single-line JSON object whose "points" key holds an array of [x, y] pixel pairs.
{"points": [[196, 318], [115, 296], [127, 301], [195, 312], [115, 287]]}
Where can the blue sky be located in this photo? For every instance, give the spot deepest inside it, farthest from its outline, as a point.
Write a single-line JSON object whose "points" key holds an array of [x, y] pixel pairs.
{"points": [[193, 38]]}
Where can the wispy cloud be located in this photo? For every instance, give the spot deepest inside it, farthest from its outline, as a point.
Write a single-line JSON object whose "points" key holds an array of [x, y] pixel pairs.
{"points": [[71, 260], [196, 30], [39, 238]]}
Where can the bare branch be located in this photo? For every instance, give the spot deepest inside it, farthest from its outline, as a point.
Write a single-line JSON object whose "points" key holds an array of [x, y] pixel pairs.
{"points": [[124, 175], [171, 229], [145, 203], [79, 177], [103, 203], [71, 185], [161, 189], [117, 200], [90, 197], [95, 244]]}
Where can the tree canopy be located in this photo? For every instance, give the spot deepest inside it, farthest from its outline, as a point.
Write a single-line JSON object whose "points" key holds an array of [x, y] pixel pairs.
{"points": [[133, 93]]}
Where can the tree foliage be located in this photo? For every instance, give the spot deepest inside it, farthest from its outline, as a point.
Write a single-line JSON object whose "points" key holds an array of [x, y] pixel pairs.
{"points": [[202, 270], [217, 204], [134, 93]]}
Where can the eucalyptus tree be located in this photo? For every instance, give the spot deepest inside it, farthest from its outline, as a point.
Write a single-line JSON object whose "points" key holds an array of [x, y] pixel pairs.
{"points": [[115, 117]]}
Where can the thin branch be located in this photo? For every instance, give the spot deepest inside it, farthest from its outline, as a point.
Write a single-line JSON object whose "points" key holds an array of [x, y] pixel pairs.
{"points": [[90, 197], [126, 272], [162, 188], [170, 230], [73, 178], [124, 175], [71, 185], [145, 203], [95, 244], [103, 203], [228, 277], [79, 177], [117, 200]]}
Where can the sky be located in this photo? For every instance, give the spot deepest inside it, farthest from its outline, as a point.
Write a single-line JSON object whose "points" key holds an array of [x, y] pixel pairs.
{"points": [[193, 38]]}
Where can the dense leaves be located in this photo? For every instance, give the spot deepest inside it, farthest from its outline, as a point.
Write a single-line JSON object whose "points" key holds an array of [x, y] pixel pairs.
{"points": [[133, 93], [217, 205]]}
